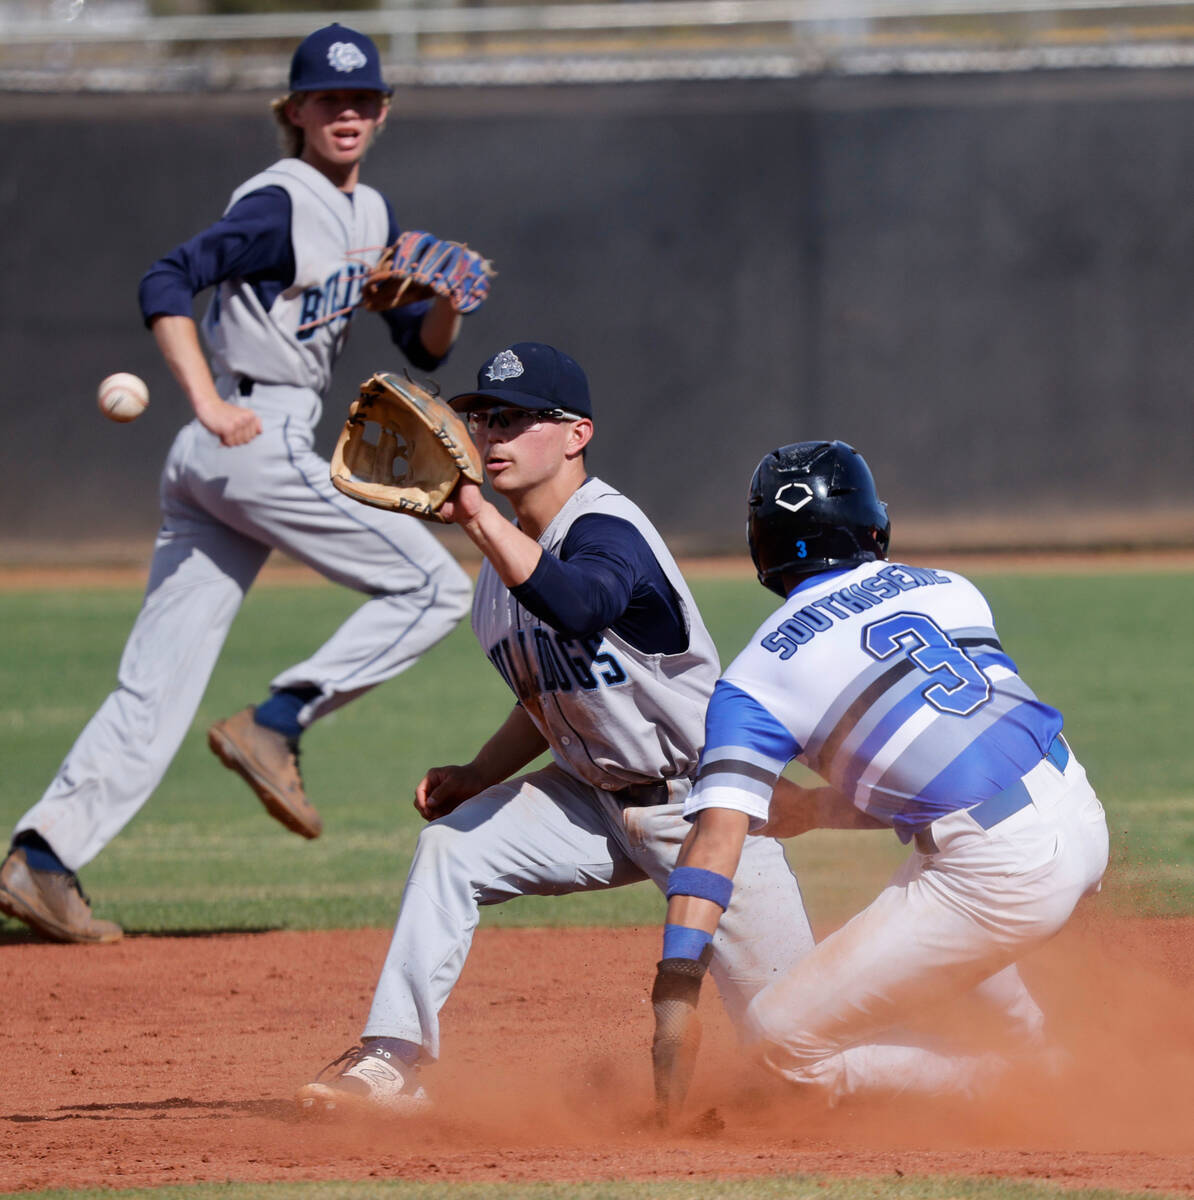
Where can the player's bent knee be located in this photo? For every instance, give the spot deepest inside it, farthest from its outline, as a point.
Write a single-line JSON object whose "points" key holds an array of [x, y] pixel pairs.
{"points": [[756, 1025], [437, 841], [797, 1058], [447, 589], [447, 855], [826, 1074], [768, 1027], [455, 590], [456, 873]]}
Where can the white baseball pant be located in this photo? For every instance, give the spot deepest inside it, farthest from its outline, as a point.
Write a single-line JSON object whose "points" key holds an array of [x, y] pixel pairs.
{"points": [[548, 834], [946, 922]]}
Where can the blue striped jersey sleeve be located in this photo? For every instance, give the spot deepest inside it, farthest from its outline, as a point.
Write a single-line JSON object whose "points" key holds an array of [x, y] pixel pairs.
{"points": [[746, 748]]}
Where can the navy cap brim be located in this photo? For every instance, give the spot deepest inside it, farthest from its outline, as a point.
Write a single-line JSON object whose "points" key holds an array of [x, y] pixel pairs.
{"points": [[341, 87], [467, 401]]}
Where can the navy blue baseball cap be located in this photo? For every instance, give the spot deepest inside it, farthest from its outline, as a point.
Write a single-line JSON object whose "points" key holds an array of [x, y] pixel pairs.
{"points": [[529, 375], [336, 58]]}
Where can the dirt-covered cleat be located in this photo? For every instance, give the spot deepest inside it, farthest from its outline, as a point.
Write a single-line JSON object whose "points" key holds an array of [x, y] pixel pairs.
{"points": [[52, 902], [364, 1080], [268, 762]]}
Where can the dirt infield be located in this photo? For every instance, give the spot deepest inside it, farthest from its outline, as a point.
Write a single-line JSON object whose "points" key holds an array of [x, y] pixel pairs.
{"points": [[173, 1059]]}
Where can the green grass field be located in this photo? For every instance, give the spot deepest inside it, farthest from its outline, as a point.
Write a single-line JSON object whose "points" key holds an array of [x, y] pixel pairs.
{"points": [[1110, 649]]}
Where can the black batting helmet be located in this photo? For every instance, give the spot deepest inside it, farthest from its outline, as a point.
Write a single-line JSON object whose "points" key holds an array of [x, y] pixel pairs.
{"points": [[813, 507]]}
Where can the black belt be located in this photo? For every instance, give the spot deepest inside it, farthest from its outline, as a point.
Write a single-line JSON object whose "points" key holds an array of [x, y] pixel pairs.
{"points": [[244, 385], [643, 795], [988, 813]]}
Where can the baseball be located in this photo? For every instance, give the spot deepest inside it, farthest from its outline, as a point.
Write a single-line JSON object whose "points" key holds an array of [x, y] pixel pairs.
{"points": [[122, 397]]}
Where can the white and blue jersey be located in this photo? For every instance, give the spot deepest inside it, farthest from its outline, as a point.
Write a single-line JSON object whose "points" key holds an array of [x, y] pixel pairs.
{"points": [[890, 682]]}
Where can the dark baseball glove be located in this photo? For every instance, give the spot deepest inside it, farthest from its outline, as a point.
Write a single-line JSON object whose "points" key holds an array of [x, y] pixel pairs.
{"points": [[419, 266], [403, 448]]}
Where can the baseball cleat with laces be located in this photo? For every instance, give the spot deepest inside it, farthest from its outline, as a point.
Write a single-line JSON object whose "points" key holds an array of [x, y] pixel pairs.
{"points": [[52, 902], [366, 1080], [268, 762]]}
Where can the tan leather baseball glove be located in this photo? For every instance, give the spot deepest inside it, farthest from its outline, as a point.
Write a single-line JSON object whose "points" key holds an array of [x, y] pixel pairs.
{"points": [[403, 448]]}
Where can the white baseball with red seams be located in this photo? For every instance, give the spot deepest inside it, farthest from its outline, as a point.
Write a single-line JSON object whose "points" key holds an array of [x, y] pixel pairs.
{"points": [[122, 397]]}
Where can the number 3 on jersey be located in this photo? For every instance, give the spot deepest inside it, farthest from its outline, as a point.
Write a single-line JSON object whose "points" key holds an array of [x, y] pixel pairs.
{"points": [[960, 687]]}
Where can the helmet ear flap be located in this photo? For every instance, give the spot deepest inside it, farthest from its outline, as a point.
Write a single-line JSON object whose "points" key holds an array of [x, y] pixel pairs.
{"points": [[882, 536]]}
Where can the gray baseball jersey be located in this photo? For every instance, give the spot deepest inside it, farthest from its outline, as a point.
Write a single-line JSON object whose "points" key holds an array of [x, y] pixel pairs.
{"points": [[336, 238], [613, 715]]}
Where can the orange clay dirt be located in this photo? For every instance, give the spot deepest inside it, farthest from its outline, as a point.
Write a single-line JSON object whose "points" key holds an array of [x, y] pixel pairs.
{"points": [[173, 1059]]}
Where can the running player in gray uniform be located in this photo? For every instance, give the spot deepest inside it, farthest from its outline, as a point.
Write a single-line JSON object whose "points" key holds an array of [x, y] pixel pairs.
{"points": [[583, 611], [287, 260]]}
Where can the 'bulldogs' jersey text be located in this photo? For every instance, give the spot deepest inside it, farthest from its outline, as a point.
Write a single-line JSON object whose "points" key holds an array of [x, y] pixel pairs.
{"points": [[612, 714], [336, 237]]}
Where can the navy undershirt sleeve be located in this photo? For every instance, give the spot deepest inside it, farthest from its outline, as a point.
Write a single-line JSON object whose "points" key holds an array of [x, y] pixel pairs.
{"points": [[250, 241], [606, 577]]}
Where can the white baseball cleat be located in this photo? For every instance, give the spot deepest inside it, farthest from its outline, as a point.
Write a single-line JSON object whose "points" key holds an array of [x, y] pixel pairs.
{"points": [[370, 1080]]}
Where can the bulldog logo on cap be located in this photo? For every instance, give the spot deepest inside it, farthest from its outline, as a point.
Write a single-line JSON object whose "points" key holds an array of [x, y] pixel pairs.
{"points": [[504, 366], [345, 56], [335, 57]]}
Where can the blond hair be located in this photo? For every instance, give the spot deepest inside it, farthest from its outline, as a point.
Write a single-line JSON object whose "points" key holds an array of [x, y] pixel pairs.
{"points": [[290, 135]]}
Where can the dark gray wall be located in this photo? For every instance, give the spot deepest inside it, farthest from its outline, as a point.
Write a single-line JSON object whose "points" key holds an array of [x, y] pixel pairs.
{"points": [[985, 283]]}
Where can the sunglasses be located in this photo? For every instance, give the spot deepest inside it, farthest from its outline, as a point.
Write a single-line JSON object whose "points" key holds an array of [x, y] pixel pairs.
{"points": [[521, 420]]}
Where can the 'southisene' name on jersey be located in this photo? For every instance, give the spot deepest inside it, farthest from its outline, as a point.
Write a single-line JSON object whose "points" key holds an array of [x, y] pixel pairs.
{"points": [[887, 680]]}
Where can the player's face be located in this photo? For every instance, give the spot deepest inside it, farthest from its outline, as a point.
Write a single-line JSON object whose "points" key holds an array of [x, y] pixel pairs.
{"points": [[337, 126], [521, 448]]}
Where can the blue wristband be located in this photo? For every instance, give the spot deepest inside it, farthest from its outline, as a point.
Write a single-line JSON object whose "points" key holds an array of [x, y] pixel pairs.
{"points": [[704, 885], [679, 941]]}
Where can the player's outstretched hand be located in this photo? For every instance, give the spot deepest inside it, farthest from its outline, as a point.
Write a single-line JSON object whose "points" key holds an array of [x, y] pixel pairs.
{"points": [[795, 810], [443, 789], [233, 425], [464, 504]]}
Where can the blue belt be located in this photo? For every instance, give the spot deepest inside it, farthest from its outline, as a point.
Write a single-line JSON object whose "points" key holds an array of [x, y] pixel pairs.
{"points": [[988, 813]]}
